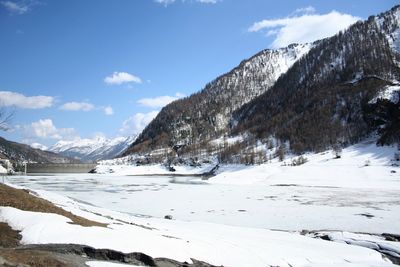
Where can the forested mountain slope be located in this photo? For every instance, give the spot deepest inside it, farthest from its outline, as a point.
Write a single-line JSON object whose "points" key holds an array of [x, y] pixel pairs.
{"points": [[334, 92], [327, 96], [206, 114]]}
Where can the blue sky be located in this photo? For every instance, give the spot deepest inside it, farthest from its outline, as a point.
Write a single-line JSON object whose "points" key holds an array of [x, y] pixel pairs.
{"points": [[76, 69]]}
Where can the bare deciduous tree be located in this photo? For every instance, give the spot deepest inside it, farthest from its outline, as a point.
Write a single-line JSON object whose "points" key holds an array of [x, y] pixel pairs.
{"points": [[5, 118]]}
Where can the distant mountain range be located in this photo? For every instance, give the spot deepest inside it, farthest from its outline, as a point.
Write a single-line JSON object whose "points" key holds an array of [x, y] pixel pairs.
{"points": [[301, 98], [92, 150], [19, 153], [83, 150]]}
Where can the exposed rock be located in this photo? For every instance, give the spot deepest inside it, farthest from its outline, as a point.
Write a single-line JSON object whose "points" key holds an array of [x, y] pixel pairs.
{"points": [[391, 237], [90, 253]]}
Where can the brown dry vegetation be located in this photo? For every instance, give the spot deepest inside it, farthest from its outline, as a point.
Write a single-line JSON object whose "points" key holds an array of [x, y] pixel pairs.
{"points": [[10, 255], [9, 238], [23, 200], [13, 254]]}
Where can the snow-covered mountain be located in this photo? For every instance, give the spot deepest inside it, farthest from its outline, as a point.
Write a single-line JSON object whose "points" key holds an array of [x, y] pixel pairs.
{"points": [[91, 150], [327, 96], [207, 114], [299, 98], [18, 153]]}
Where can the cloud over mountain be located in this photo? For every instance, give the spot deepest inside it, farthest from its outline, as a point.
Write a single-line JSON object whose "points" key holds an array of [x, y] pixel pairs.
{"points": [[303, 26]]}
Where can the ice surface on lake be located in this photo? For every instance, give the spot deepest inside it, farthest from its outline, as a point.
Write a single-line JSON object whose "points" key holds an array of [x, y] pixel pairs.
{"points": [[325, 193]]}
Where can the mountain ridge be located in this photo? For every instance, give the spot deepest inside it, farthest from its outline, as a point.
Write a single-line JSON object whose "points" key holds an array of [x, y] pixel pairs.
{"points": [[18, 153], [92, 150], [359, 59], [207, 112], [326, 89]]}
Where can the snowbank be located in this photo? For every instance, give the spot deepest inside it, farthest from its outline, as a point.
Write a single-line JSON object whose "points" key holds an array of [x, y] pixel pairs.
{"points": [[216, 244], [360, 166], [3, 170]]}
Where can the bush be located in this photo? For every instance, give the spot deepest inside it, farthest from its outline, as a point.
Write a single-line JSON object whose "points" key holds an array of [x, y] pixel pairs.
{"points": [[337, 151], [281, 153], [299, 161]]}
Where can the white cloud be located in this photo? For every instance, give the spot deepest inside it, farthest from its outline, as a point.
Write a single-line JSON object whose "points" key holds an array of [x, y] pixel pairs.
{"points": [[136, 123], [169, 2], [15, 8], [159, 102], [305, 10], [86, 106], [165, 2], [39, 146], [304, 27], [121, 77], [77, 106], [8, 98], [207, 1], [108, 110], [45, 129]]}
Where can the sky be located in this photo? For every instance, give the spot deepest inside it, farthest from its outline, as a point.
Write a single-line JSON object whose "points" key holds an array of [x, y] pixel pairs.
{"points": [[73, 69]]}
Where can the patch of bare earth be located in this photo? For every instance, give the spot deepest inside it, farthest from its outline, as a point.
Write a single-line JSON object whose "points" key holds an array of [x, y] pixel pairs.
{"points": [[9, 238], [23, 200]]}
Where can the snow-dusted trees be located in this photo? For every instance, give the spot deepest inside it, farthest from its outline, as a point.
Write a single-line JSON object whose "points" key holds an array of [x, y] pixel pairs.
{"points": [[324, 97], [207, 114]]}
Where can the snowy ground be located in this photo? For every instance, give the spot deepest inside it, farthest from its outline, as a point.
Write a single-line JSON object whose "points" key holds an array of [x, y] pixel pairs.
{"points": [[225, 220]]}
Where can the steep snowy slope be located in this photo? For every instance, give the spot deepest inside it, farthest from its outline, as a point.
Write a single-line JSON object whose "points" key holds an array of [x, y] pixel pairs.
{"points": [[89, 150], [325, 97], [207, 114], [305, 97]]}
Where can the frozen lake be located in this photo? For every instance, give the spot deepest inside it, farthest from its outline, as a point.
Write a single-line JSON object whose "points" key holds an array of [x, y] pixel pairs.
{"points": [[240, 217], [286, 204]]}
